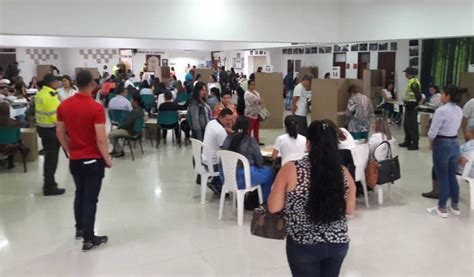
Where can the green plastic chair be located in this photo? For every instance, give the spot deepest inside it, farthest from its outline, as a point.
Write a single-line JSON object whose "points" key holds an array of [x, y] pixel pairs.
{"points": [[138, 85], [148, 100], [182, 99], [117, 117], [168, 118], [136, 136], [12, 135]]}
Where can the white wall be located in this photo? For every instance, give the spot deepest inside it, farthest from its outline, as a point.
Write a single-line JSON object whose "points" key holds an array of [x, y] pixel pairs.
{"points": [[27, 64]]}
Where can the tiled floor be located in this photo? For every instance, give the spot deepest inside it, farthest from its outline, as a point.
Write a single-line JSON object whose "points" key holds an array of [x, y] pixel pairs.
{"points": [[158, 228]]}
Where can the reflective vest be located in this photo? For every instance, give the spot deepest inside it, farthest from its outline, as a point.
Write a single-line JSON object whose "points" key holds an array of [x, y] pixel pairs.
{"points": [[409, 95], [46, 104]]}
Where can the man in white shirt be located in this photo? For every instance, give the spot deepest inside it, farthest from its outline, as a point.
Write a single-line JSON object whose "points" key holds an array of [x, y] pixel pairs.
{"points": [[299, 105], [214, 136], [131, 81], [468, 113]]}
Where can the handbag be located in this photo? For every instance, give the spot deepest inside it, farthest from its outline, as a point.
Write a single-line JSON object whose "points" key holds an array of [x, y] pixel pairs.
{"points": [[372, 173], [267, 225], [263, 113], [388, 169]]}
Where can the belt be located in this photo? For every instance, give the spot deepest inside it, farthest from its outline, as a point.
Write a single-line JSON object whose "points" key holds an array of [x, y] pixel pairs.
{"points": [[446, 137]]}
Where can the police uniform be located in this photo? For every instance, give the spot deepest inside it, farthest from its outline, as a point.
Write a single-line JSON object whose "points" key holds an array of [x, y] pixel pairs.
{"points": [[46, 104], [410, 124]]}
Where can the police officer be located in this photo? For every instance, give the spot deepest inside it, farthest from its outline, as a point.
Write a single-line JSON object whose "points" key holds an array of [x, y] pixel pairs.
{"points": [[46, 104], [411, 98]]}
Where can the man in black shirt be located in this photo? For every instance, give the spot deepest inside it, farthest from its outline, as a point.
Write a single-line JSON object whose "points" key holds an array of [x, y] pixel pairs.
{"points": [[169, 106]]}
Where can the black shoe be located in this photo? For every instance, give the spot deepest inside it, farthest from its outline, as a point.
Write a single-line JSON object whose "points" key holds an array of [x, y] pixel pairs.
{"points": [[119, 154], [79, 234], [431, 195], [95, 242], [413, 147], [41, 152], [261, 143], [53, 191], [214, 189], [405, 144]]}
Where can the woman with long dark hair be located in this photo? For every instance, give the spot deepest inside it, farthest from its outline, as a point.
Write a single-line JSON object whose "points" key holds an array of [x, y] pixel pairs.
{"points": [[241, 142], [199, 111], [316, 193], [443, 135], [291, 146]]}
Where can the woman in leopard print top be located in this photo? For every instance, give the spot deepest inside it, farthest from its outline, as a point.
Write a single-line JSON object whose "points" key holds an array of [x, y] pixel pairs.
{"points": [[316, 193]]}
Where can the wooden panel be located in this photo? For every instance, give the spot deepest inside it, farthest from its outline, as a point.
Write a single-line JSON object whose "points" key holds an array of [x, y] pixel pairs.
{"points": [[466, 80], [42, 70], [373, 83], [270, 86]]}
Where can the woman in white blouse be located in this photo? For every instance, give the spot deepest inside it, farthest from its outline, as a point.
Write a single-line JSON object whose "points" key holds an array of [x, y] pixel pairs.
{"points": [[213, 84], [67, 90], [381, 133], [291, 146], [252, 109]]}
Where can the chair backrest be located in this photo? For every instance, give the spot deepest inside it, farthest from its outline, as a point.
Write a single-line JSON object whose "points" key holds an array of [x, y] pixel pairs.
{"points": [[168, 117], [182, 98], [467, 167], [197, 146], [147, 100], [118, 116], [9, 135], [138, 125], [360, 155], [111, 95], [230, 161], [138, 85]]}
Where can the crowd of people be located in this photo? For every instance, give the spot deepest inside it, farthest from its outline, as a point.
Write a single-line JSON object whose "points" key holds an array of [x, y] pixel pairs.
{"points": [[313, 183]]}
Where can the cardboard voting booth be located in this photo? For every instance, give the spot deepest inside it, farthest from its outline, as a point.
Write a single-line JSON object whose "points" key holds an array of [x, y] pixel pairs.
{"points": [[270, 86], [466, 80], [30, 139], [329, 99], [42, 70], [425, 122], [373, 83], [93, 70], [205, 74]]}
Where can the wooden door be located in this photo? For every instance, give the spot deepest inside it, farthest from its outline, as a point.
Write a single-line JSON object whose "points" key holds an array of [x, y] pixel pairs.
{"points": [[340, 61], [387, 62], [362, 64]]}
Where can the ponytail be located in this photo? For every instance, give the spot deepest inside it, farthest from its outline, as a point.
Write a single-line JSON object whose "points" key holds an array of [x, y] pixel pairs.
{"points": [[291, 126]]}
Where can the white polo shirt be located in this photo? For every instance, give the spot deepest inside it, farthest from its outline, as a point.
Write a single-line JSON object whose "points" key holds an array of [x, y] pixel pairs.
{"points": [[214, 137], [302, 104]]}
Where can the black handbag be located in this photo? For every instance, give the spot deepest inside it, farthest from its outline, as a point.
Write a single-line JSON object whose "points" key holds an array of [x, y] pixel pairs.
{"points": [[388, 169], [267, 225]]}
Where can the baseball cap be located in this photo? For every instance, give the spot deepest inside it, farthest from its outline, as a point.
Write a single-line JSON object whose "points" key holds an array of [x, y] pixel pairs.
{"points": [[411, 70]]}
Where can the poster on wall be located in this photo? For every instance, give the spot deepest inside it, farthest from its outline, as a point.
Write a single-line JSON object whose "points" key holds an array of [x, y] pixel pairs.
{"points": [[164, 62], [414, 51], [268, 68], [324, 50], [414, 61], [355, 47], [363, 47], [153, 62], [336, 72], [383, 46], [344, 47], [471, 68], [307, 50], [373, 46], [393, 46], [413, 42], [314, 50]]}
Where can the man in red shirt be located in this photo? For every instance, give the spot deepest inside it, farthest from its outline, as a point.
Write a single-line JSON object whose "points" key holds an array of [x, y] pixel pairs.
{"points": [[81, 131]]}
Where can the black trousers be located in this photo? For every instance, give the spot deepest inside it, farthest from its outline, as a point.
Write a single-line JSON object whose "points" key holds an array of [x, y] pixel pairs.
{"points": [[87, 175], [302, 122], [410, 124], [51, 148]]}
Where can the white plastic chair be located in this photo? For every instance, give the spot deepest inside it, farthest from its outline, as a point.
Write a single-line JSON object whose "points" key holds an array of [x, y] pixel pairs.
{"points": [[393, 144], [199, 168], [230, 161], [465, 177], [360, 155]]}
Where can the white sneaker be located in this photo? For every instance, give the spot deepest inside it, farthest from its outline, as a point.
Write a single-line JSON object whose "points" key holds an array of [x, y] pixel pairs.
{"points": [[438, 212], [455, 212]]}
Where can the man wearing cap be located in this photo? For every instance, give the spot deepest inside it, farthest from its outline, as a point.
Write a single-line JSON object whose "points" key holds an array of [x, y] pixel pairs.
{"points": [[411, 98], [46, 104], [299, 105]]}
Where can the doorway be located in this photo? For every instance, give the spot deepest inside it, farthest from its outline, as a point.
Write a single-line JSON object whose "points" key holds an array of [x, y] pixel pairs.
{"points": [[363, 62], [387, 62], [340, 61]]}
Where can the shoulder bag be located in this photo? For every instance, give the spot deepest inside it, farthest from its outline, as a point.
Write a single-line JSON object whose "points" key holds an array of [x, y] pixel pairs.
{"points": [[267, 225], [382, 172]]}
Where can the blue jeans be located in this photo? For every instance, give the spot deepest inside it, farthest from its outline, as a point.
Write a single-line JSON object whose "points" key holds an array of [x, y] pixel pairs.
{"points": [[445, 163], [262, 176], [289, 97], [321, 259]]}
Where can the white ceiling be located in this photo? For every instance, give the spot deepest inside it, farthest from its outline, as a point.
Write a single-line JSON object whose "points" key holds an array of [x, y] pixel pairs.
{"points": [[204, 24]]}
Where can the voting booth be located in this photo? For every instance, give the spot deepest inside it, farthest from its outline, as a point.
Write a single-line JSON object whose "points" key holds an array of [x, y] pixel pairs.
{"points": [[270, 87]]}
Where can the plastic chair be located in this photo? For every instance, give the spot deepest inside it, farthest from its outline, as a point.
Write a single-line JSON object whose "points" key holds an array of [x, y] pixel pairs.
{"points": [[393, 144], [168, 118], [200, 169], [465, 177], [117, 117], [230, 161], [360, 155], [12, 135], [138, 85], [148, 100], [182, 99], [136, 136]]}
